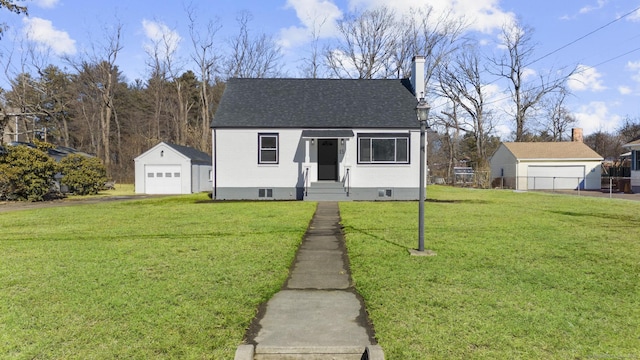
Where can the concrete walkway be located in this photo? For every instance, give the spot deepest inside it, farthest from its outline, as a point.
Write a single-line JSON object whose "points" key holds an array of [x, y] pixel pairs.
{"points": [[317, 314]]}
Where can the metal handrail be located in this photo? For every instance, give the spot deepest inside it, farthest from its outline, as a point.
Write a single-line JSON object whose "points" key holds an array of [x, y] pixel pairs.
{"points": [[306, 181], [347, 180]]}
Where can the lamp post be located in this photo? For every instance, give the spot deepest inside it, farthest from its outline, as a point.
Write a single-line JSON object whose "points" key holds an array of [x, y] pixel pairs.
{"points": [[422, 112]]}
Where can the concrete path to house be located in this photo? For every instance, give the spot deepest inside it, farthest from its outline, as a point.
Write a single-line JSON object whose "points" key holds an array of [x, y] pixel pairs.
{"points": [[317, 314]]}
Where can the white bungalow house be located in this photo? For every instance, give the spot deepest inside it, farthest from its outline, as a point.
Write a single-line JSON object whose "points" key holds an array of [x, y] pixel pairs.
{"points": [[546, 166], [634, 146], [318, 139], [172, 169]]}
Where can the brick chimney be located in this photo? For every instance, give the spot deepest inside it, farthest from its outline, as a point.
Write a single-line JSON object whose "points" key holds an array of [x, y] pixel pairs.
{"points": [[576, 135], [417, 76]]}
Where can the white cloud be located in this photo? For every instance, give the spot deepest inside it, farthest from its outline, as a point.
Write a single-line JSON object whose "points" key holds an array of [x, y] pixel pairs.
{"points": [[293, 36], [635, 16], [586, 78], [47, 37], [595, 116], [624, 90], [528, 73], [634, 67], [47, 4], [589, 8], [166, 39], [482, 15], [316, 16]]}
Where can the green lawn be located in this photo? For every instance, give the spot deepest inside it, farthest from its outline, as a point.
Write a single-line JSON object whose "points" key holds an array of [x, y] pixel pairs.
{"points": [[516, 276], [175, 278]]}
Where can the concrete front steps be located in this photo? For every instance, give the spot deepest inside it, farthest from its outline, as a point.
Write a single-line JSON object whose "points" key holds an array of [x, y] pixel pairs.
{"points": [[327, 191], [250, 352]]}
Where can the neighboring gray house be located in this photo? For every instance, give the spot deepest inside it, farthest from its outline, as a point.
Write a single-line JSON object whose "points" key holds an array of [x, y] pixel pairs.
{"points": [[546, 166], [634, 146], [172, 169], [318, 139]]}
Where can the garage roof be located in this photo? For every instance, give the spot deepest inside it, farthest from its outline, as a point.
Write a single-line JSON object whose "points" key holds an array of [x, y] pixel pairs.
{"points": [[633, 144], [196, 156], [552, 150]]}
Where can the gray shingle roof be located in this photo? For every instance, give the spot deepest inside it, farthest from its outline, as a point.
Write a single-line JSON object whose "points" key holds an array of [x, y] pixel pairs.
{"points": [[196, 156], [316, 103]]}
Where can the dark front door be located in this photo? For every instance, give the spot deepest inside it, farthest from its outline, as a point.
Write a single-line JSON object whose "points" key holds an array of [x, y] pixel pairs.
{"points": [[328, 159]]}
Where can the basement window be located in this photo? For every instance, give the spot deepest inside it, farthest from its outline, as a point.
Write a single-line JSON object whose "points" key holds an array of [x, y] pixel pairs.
{"points": [[385, 193], [265, 193]]}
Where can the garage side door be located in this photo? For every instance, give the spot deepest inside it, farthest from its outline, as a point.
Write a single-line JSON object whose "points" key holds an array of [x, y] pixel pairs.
{"points": [[163, 179], [557, 177]]}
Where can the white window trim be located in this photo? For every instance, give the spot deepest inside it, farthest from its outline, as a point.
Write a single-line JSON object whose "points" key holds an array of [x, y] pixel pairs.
{"points": [[372, 138], [260, 149]]}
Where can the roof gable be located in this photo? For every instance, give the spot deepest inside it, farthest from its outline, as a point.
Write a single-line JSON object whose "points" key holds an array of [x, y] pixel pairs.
{"points": [[551, 150], [316, 103], [196, 156]]}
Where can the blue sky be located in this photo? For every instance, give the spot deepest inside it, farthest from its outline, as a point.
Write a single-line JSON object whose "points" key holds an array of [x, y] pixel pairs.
{"points": [[604, 92]]}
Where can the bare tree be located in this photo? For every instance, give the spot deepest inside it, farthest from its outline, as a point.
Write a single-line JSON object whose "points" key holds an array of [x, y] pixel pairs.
{"points": [[461, 82], [207, 60], [558, 119], [252, 57], [513, 66], [157, 85], [312, 64], [449, 121], [366, 45], [172, 86], [13, 7], [423, 32], [100, 75]]}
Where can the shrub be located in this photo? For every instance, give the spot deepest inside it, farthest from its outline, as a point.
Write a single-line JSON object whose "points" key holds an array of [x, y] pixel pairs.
{"points": [[83, 175], [26, 174]]}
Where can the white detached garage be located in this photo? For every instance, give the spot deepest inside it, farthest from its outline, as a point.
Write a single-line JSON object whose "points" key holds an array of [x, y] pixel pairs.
{"points": [[546, 166], [172, 169]]}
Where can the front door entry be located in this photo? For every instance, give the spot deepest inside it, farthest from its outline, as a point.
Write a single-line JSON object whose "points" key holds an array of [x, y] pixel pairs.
{"points": [[328, 159]]}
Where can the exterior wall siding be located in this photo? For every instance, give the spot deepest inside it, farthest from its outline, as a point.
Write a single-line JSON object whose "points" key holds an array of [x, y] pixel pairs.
{"points": [[503, 164], [200, 178], [162, 155], [238, 175]]}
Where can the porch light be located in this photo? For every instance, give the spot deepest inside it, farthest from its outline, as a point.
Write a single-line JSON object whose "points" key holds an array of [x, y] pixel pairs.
{"points": [[422, 113]]}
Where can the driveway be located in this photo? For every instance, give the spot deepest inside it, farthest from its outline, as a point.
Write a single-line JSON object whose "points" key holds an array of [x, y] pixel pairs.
{"points": [[6, 206]]}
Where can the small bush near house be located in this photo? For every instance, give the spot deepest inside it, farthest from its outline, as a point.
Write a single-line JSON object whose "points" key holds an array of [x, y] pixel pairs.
{"points": [[26, 174], [83, 175]]}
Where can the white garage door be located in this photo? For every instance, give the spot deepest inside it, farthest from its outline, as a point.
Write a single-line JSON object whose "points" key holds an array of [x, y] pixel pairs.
{"points": [[555, 177], [163, 179]]}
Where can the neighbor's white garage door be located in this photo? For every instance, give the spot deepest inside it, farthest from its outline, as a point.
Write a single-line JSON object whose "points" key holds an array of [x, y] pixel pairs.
{"points": [[163, 179], [555, 177]]}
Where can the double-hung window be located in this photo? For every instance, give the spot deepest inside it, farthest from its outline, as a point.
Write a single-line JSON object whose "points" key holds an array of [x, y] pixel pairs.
{"points": [[635, 161], [268, 148], [383, 148]]}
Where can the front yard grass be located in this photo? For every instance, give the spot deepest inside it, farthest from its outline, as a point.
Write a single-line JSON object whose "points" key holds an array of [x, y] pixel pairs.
{"points": [[516, 276], [176, 278]]}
